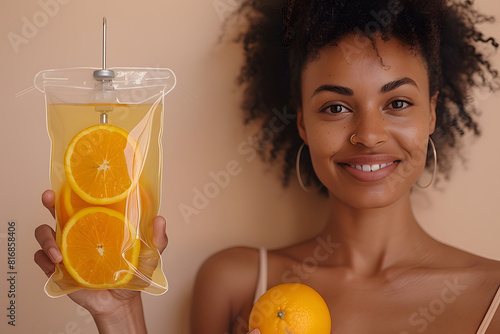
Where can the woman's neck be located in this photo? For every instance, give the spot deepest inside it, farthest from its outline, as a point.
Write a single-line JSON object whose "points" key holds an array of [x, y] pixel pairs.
{"points": [[373, 240]]}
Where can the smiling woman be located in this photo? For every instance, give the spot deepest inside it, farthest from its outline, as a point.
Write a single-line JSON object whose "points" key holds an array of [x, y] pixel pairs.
{"points": [[370, 110], [370, 91], [445, 37], [380, 90]]}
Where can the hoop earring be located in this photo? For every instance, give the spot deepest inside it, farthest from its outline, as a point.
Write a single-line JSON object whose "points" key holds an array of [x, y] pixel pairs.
{"points": [[297, 169], [434, 169]]}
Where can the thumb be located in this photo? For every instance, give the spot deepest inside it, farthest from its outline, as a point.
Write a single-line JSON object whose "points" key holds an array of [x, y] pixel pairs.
{"points": [[255, 331]]}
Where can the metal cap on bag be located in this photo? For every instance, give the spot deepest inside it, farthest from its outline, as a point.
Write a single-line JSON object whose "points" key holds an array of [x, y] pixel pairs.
{"points": [[103, 75]]}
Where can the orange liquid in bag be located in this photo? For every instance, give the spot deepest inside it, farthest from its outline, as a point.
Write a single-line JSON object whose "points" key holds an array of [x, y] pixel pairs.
{"points": [[107, 182]]}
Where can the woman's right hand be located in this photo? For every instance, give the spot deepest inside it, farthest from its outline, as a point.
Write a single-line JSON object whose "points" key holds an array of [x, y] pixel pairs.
{"points": [[106, 306], [114, 309]]}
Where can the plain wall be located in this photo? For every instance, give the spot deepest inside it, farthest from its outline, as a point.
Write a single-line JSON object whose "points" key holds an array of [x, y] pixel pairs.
{"points": [[203, 129]]}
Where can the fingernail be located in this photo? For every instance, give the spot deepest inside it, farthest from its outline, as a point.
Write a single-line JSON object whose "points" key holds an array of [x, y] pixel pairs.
{"points": [[55, 255], [255, 331]]}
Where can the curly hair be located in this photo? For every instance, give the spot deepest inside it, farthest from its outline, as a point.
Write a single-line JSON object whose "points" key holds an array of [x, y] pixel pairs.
{"points": [[282, 37]]}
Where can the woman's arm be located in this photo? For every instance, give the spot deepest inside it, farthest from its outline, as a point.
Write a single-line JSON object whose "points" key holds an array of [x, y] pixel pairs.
{"points": [[127, 319]]}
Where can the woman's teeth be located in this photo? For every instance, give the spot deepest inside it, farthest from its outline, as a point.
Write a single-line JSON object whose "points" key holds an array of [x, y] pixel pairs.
{"points": [[371, 168]]}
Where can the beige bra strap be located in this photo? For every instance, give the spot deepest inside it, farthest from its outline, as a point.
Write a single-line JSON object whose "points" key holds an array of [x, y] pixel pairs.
{"points": [[490, 313], [262, 280]]}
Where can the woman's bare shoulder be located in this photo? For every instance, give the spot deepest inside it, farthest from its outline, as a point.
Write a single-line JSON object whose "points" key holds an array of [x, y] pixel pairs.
{"points": [[232, 262], [232, 270], [489, 272], [490, 268], [479, 262], [485, 269]]}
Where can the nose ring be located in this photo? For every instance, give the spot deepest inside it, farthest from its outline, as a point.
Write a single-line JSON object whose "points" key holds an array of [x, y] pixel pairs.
{"points": [[351, 140]]}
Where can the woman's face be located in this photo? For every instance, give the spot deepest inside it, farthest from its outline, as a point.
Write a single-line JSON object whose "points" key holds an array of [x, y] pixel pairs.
{"points": [[383, 100]]}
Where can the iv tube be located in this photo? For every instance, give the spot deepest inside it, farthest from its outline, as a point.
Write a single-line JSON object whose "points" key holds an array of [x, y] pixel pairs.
{"points": [[105, 76]]}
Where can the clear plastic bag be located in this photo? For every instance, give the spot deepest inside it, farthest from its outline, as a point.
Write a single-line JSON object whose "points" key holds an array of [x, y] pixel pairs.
{"points": [[106, 167]]}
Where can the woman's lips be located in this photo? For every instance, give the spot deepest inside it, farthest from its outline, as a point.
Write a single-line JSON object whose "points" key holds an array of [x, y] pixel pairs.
{"points": [[370, 172]]}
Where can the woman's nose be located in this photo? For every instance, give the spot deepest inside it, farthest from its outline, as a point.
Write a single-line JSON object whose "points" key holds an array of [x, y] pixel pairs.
{"points": [[370, 129]]}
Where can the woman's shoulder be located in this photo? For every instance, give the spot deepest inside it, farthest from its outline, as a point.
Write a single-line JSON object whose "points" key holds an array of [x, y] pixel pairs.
{"points": [[232, 269], [482, 270], [239, 257], [490, 269], [474, 261], [488, 273]]}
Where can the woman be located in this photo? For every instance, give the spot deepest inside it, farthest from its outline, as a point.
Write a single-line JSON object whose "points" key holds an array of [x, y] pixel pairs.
{"points": [[373, 85]]}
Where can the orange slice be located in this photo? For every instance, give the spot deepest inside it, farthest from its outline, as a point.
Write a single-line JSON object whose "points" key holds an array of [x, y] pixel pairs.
{"points": [[100, 248], [71, 201], [100, 163], [134, 206], [61, 212]]}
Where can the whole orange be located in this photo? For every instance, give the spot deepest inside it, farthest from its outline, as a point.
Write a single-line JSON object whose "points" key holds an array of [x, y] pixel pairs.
{"points": [[291, 308]]}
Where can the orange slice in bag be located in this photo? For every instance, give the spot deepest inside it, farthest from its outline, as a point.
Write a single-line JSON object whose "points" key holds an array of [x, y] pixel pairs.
{"points": [[61, 212], [100, 248], [132, 206], [100, 164], [72, 203]]}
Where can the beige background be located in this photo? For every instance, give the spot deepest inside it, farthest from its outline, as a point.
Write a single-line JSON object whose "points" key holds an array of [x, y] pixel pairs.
{"points": [[203, 129]]}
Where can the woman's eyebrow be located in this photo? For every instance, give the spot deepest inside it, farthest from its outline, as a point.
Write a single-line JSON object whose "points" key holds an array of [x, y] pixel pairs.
{"points": [[335, 89], [349, 92], [397, 83]]}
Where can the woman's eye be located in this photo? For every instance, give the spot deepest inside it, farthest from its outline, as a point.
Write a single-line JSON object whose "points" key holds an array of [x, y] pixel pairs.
{"points": [[399, 104], [335, 109]]}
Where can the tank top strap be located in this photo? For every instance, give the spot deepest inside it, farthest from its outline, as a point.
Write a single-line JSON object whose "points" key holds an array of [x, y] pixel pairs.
{"points": [[490, 313], [262, 280]]}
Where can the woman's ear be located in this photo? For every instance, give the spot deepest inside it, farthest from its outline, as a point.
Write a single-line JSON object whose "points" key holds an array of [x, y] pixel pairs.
{"points": [[300, 125], [432, 119]]}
